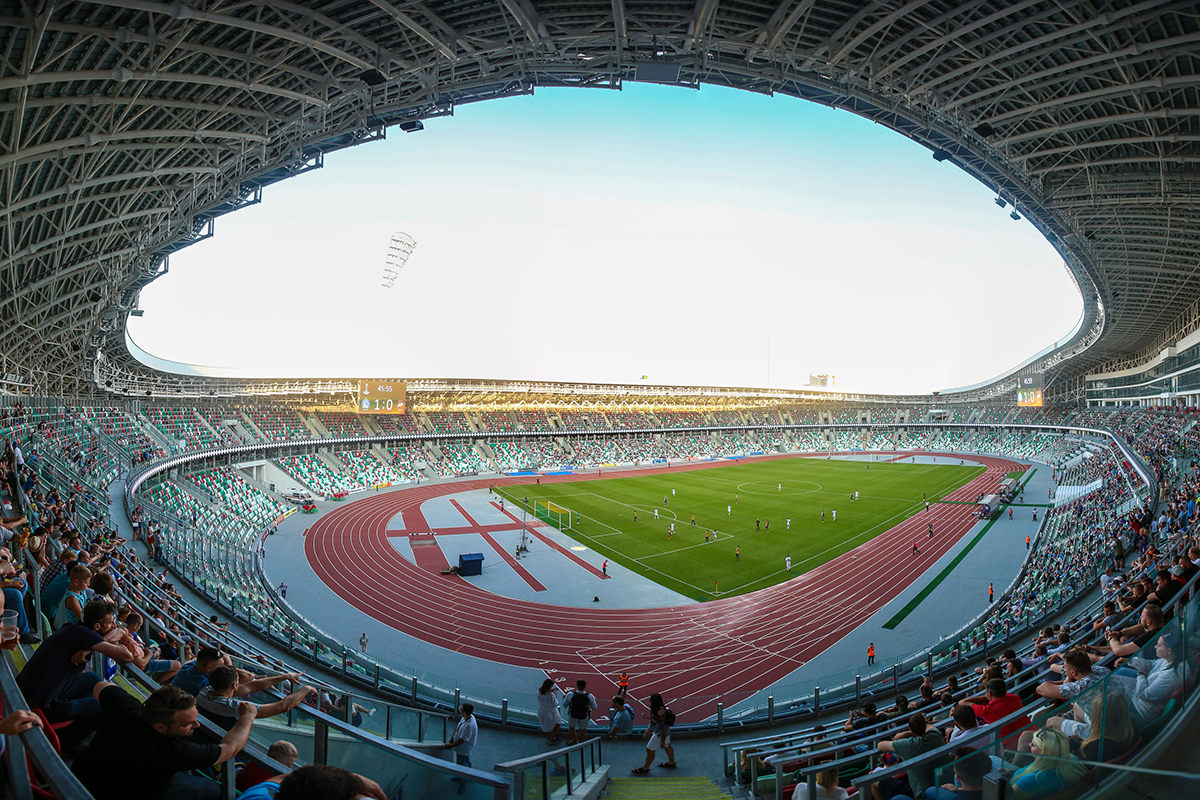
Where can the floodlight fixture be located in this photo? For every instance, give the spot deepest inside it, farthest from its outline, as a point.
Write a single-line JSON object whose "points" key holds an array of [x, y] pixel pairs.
{"points": [[412, 125], [1014, 214], [399, 249], [1000, 201]]}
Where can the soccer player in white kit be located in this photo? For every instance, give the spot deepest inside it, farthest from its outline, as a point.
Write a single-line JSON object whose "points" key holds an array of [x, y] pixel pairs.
{"points": [[835, 515], [728, 510], [789, 523], [788, 561]]}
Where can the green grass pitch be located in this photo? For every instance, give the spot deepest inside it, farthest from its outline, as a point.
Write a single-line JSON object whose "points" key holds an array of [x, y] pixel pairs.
{"points": [[686, 563]]}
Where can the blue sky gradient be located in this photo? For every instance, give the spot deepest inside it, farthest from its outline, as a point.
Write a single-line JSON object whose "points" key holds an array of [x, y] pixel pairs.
{"points": [[590, 235]]}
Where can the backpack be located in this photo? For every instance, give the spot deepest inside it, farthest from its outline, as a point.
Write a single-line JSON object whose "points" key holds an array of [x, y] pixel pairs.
{"points": [[668, 717], [580, 705]]}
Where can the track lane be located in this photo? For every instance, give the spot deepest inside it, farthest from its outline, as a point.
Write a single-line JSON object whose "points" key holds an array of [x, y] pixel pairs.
{"points": [[730, 647]]}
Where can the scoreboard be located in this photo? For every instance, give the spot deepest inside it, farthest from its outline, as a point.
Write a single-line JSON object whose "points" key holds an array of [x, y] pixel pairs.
{"points": [[381, 397], [1029, 391]]}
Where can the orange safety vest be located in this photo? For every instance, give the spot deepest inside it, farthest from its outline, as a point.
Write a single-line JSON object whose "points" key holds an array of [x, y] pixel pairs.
{"points": [[623, 681], [871, 651]]}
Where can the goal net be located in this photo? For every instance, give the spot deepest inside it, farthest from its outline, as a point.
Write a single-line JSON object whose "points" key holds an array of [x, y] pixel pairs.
{"points": [[556, 515]]}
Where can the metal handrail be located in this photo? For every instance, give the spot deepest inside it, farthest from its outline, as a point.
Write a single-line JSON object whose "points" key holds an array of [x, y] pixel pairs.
{"points": [[33, 742], [549, 761]]}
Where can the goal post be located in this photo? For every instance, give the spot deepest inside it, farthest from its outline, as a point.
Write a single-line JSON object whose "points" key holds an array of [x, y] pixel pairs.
{"points": [[558, 516]]}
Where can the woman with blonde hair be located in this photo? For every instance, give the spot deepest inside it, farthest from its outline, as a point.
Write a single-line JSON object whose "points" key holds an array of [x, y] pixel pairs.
{"points": [[1110, 717], [827, 787], [1053, 770]]}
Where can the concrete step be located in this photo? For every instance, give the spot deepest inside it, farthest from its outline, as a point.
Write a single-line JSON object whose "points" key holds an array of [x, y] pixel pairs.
{"points": [[648, 787]]}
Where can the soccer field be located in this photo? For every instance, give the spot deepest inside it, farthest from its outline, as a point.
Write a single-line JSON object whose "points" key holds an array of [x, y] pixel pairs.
{"points": [[735, 505]]}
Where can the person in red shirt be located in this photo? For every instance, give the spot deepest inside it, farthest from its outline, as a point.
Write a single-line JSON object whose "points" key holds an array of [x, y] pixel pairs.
{"points": [[282, 751], [996, 704]]}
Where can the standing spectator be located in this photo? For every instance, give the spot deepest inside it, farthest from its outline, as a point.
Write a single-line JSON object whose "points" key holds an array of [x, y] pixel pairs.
{"points": [[658, 734], [143, 749], [462, 741], [53, 679], [580, 705], [362, 642], [548, 717]]}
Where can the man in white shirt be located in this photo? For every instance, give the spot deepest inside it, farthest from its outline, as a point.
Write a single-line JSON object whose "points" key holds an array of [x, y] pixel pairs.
{"points": [[462, 741]]}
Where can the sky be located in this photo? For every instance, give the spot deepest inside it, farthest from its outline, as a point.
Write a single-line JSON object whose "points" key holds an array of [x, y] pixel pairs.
{"points": [[710, 237]]}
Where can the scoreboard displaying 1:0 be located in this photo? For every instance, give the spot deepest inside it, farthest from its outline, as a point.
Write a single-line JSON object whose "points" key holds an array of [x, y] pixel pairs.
{"points": [[381, 397]]}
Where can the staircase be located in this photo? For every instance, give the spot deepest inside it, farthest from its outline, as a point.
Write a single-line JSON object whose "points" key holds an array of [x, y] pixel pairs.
{"points": [[648, 788]]}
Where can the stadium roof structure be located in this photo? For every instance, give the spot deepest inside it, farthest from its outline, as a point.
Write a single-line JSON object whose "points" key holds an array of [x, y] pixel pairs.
{"points": [[127, 127]]}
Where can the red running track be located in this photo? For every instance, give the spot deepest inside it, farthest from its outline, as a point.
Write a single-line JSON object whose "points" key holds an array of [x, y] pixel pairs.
{"points": [[695, 654]]}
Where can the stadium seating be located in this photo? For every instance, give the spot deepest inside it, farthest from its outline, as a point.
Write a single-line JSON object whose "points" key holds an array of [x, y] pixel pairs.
{"points": [[533, 454], [364, 469], [341, 424], [84, 446], [318, 476], [183, 424], [277, 424]]}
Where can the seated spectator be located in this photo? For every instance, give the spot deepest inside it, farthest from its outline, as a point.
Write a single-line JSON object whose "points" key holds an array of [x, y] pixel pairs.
{"points": [[282, 751], [193, 676], [71, 608], [1128, 641], [864, 718], [1053, 769], [151, 660], [996, 704], [59, 567], [1167, 587], [1078, 675], [620, 718], [966, 725], [142, 750], [970, 766], [1151, 682], [15, 585], [53, 679], [1108, 618], [1119, 735], [918, 739], [218, 702], [898, 710], [827, 787], [325, 782]]}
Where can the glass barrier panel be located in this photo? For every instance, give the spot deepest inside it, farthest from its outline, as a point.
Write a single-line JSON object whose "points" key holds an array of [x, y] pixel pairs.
{"points": [[399, 775]]}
